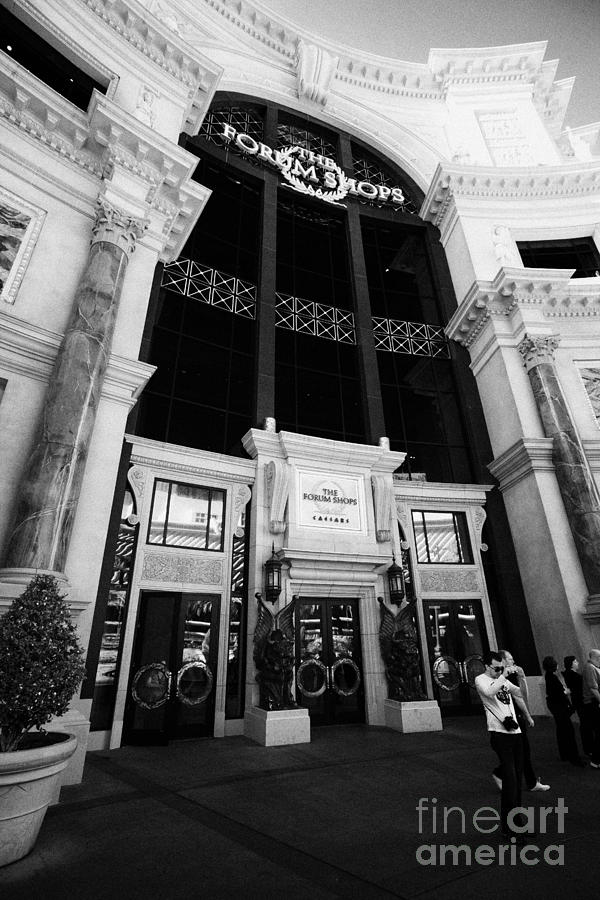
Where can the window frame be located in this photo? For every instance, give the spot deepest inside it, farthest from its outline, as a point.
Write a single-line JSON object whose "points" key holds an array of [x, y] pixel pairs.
{"points": [[461, 534], [211, 490]]}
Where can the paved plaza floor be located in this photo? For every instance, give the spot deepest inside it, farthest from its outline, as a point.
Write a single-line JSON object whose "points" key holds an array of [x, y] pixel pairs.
{"points": [[204, 820]]}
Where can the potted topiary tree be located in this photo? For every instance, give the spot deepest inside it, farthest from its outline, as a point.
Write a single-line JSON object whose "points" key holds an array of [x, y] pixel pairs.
{"points": [[41, 666]]}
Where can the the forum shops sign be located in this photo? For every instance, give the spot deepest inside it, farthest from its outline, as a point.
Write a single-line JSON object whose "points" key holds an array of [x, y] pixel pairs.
{"points": [[312, 174]]}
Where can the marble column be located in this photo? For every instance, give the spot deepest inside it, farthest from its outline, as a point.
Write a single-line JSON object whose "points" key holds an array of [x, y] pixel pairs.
{"points": [[577, 486], [51, 481]]}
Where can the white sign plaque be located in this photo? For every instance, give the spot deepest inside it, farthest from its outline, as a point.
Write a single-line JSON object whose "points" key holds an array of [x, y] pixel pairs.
{"points": [[333, 502]]}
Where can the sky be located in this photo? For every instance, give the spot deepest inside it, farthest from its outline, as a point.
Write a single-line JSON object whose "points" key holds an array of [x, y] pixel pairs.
{"points": [[408, 29]]}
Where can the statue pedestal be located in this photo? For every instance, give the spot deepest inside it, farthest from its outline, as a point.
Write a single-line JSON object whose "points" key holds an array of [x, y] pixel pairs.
{"points": [[413, 715], [276, 727]]}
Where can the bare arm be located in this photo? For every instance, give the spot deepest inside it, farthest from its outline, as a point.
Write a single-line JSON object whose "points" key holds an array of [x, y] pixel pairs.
{"points": [[517, 697]]}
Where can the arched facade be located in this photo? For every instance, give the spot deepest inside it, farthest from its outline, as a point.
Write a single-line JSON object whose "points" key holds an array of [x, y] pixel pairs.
{"points": [[328, 319]]}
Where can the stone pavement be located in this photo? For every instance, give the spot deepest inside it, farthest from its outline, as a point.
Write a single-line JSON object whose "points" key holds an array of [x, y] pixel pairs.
{"points": [[334, 818]]}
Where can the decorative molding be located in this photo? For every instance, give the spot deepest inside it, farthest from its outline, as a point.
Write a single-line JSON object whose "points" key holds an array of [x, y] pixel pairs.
{"points": [[157, 41], [21, 222], [521, 460], [479, 517], [175, 568], [277, 489], [421, 494], [453, 183], [114, 226], [538, 349], [145, 105], [505, 247], [222, 477], [241, 497], [136, 476], [504, 138], [590, 379], [315, 68], [383, 492], [105, 139], [29, 350], [448, 581], [549, 291]]}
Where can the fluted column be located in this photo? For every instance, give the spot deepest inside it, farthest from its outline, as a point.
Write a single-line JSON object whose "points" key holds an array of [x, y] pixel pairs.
{"points": [[577, 486], [51, 482]]}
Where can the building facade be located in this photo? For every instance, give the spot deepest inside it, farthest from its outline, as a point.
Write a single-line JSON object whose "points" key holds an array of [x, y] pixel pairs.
{"points": [[273, 310]]}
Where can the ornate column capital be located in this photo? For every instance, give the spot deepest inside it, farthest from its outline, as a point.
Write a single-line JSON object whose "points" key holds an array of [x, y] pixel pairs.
{"points": [[114, 226], [538, 349]]}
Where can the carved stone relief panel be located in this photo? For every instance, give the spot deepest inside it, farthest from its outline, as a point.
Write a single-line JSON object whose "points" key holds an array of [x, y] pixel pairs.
{"points": [[241, 498], [449, 582], [137, 481], [277, 485], [505, 140], [591, 381], [171, 568]]}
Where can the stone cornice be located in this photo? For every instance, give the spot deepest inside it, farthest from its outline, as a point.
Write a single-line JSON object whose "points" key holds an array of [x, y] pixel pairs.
{"points": [[105, 138], [424, 492], [302, 449], [200, 463], [154, 39], [514, 64], [29, 350], [463, 183], [50, 26], [552, 291], [520, 460]]}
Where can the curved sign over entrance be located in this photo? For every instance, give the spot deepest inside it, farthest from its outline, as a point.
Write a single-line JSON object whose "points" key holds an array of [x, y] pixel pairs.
{"points": [[312, 174]]}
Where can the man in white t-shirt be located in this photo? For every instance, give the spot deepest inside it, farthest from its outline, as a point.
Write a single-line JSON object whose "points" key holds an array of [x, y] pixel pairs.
{"points": [[498, 696]]}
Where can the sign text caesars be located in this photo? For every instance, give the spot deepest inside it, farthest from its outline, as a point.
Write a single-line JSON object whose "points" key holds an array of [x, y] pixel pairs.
{"points": [[310, 173]]}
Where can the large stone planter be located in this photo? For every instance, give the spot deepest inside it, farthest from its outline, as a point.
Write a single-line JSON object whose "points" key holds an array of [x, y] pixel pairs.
{"points": [[29, 783], [277, 727]]}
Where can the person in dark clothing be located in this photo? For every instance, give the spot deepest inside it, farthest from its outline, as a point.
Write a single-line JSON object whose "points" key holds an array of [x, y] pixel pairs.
{"points": [[558, 699], [574, 682], [516, 675]]}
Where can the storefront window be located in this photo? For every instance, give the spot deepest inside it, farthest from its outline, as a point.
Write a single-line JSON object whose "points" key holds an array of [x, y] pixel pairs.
{"points": [[442, 537], [184, 515]]}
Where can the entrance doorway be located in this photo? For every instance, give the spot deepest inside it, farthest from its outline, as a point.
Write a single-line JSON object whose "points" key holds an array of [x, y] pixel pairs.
{"points": [[329, 681], [171, 693], [457, 642]]}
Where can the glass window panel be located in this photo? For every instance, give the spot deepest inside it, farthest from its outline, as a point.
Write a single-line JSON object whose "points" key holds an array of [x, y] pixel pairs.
{"points": [[188, 516], [420, 538], [159, 512], [215, 522], [441, 537], [193, 515]]}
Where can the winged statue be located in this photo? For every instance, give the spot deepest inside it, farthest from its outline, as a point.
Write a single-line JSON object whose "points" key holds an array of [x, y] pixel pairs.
{"points": [[274, 655], [400, 651]]}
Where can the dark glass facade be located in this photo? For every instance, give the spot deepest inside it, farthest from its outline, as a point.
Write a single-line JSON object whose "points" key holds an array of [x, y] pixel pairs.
{"points": [[326, 316]]}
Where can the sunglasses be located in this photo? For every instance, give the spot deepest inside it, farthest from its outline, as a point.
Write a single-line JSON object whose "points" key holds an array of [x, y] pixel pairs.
{"points": [[497, 668]]}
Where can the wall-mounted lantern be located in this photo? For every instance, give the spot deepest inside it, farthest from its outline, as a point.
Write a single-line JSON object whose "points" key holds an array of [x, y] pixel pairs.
{"points": [[395, 578], [272, 577]]}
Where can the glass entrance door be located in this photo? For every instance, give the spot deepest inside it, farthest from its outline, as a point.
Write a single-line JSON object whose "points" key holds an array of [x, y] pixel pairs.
{"points": [[329, 679], [456, 641], [172, 691]]}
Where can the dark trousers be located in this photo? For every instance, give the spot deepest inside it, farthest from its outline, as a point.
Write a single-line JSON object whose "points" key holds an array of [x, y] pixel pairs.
{"points": [[565, 735], [529, 776], [591, 716], [509, 750], [585, 732]]}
